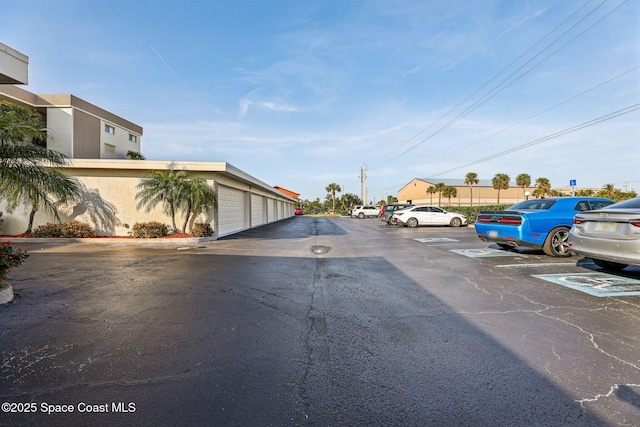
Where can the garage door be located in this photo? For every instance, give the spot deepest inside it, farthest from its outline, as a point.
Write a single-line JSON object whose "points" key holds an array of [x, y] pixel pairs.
{"points": [[280, 210], [272, 210], [258, 210], [232, 211]]}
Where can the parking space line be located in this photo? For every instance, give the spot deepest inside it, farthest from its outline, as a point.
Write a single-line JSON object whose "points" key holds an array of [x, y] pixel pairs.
{"points": [[434, 239], [485, 253], [573, 264]]}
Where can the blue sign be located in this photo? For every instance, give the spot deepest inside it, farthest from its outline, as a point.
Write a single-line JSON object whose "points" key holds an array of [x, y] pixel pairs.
{"points": [[572, 182]]}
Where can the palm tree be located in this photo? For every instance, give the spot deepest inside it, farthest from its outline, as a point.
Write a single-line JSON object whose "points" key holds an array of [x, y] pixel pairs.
{"points": [[162, 187], [608, 191], [543, 187], [349, 200], [134, 155], [26, 176], [500, 182], [439, 187], [471, 179], [58, 189], [198, 197], [332, 188], [523, 180], [430, 192], [450, 192]]}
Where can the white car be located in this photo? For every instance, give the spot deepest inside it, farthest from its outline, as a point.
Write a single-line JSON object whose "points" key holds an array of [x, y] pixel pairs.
{"points": [[428, 215], [364, 211]]}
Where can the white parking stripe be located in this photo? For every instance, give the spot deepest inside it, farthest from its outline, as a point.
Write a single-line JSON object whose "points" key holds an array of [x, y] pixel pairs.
{"points": [[573, 264], [484, 253]]}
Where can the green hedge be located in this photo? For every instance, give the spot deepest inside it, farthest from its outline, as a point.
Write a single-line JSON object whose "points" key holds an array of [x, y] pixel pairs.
{"points": [[471, 212]]}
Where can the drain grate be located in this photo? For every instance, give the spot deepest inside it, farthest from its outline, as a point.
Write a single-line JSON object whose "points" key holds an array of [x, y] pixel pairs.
{"points": [[320, 249]]}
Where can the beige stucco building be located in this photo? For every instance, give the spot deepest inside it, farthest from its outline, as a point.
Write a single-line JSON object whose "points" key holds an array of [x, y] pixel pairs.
{"points": [[108, 198], [482, 193]]}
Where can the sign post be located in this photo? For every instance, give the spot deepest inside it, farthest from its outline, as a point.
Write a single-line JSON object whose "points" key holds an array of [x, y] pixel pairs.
{"points": [[572, 183]]}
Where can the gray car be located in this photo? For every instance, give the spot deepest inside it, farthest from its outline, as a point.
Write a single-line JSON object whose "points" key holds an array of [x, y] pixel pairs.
{"points": [[609, 236], [387, 211]]}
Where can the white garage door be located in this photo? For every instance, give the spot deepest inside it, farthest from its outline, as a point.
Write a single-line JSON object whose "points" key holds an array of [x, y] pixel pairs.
{"points": [[258, 206], [232, 211], [272, 210], [280, 210]]}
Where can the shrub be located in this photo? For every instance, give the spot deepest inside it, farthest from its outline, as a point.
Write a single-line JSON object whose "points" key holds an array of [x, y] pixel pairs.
{"points": [[77, 229], [472, 212], [152, 229], [48, 230], [65, 229], [201, 229], [10, 257]]}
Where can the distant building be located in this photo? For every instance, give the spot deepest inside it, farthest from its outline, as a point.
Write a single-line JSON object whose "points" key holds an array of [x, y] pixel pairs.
{"points": [[483, 192], [287, 192], [78, 129]]}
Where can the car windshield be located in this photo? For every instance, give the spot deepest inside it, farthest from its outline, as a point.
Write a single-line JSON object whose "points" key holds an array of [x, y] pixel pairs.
{"points": [[627, 204], [539, 204]]}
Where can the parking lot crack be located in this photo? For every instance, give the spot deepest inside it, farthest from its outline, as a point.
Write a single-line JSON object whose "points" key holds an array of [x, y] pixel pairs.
{"points": [[619, 390]]}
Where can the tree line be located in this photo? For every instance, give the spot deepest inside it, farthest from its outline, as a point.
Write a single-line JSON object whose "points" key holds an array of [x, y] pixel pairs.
{"points": [[334, 203]]}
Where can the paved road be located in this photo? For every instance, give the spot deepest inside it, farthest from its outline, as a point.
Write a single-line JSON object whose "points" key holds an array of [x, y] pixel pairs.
{"points": [[316, 322]]}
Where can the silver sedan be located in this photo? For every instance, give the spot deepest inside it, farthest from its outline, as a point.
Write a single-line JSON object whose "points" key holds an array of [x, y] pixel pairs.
{"points": [[609, 236], [428, 215]]}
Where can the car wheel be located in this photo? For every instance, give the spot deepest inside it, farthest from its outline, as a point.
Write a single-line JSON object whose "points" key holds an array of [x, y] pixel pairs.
{"points": [[557, 243], [609, 265], [360, 215], [455, 222], [412, 222], [393, 221]]}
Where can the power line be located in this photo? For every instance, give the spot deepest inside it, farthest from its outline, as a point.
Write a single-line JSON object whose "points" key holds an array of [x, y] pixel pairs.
{"points": [[589, 123], [539, 113], [488, 81], [489, 94]]}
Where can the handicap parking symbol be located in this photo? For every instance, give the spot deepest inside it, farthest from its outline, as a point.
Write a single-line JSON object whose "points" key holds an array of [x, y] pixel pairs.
{"points": [[596, 284], [434, 239]]}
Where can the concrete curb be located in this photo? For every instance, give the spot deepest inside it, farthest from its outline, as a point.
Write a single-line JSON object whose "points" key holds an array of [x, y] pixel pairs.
{"points": [[6, 292], [113, 241]]}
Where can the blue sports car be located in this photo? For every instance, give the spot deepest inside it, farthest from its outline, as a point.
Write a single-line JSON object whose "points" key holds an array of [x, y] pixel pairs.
{"points": [[537, 223]]}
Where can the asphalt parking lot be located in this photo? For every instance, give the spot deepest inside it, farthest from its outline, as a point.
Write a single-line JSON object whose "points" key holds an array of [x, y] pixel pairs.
{"points": [[319, 321]]}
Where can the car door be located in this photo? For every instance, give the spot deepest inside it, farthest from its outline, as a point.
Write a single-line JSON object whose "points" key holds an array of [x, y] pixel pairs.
{"points": [[422, 214], [438, 217]]}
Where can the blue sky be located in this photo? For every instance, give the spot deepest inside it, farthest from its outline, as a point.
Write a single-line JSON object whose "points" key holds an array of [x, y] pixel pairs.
{"points": [[302, 94]]}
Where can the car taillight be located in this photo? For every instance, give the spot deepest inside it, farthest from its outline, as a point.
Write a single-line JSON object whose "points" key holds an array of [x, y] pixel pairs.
{"points": [[513, 220], [636, 223], [578, 221], [483, 219], [399, 213]]}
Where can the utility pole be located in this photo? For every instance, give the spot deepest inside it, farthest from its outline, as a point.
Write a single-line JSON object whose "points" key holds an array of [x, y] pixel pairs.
{"points": [[363, 183]]}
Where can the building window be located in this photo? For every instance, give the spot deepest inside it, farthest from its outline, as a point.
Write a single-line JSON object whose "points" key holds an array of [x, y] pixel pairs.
{"points": [[109, 148], [109, 129], [133, 138]]}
